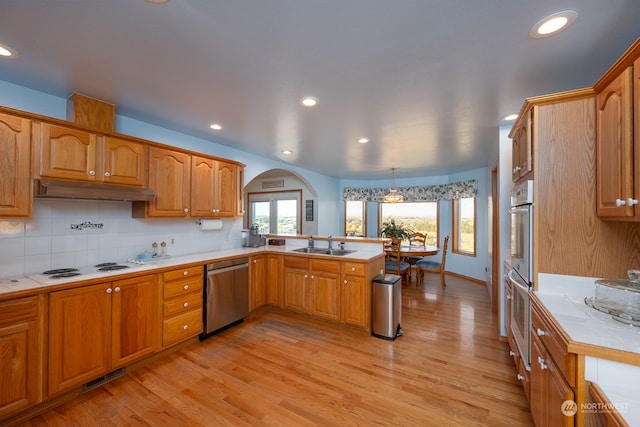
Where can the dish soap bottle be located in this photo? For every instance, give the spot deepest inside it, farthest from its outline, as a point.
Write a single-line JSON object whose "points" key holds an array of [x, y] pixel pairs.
{"points": [[310, 241]]}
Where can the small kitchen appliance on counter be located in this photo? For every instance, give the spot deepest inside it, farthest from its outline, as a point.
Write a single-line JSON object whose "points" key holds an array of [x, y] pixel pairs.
{"points": [[619, 298], [252, 238]]}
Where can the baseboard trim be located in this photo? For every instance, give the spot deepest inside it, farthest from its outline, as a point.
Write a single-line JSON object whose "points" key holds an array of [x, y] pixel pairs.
{"points": [[462, 276]]}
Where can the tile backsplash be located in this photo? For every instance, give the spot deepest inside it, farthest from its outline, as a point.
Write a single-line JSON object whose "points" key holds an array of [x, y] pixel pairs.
{"points": [[48, 240]]}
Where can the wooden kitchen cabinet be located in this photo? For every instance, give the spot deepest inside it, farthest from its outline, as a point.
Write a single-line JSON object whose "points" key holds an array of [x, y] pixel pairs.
{"points": [[295, 281], [240, 190], [16, 193], [94, 329], [20, 354], [170, 178], [182, 304], [78, 155], [213, 188], [553, 371], [325, 291], [274, 280], [257, 281], [355, 295], [522, 148]]}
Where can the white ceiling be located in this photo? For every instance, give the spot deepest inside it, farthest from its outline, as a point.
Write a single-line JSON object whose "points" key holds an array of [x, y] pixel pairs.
{"points": [[427, 81]]}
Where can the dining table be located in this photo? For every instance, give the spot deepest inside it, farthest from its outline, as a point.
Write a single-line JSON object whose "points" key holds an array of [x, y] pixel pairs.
{"points": [[409, 251]]}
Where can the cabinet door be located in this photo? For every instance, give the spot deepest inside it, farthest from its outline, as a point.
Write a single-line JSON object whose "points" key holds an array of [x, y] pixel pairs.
{"points": [[615, 148], [125, 162], [240, 190], [66, 153], [20, 354], [79, 335], [15, 158], [135, 319], [522, 150], [538, 382], [354, 301], [274, 280], [226, 196], [169, 177], [203, 193], [295, 289], [257, 281], [325, 295]]}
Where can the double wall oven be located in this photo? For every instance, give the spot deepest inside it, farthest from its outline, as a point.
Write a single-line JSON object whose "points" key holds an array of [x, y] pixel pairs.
{"points": [[521, 273]]}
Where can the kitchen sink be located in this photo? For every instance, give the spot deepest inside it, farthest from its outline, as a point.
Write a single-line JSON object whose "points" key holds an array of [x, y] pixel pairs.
{"points": [[323, 251]]}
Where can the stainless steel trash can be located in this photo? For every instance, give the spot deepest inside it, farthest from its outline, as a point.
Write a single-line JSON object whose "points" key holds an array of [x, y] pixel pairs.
{"points": [[386, 306]]}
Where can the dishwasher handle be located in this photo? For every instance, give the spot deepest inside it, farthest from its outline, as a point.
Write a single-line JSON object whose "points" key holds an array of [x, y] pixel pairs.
{"points": [[228, 264]]}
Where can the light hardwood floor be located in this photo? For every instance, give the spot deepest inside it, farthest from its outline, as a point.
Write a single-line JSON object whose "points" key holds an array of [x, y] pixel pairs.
{"points": [[277, 368]]}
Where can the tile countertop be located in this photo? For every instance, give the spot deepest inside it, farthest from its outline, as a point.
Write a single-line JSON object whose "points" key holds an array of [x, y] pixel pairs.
{"points": [[31, 282], [598, 334]]}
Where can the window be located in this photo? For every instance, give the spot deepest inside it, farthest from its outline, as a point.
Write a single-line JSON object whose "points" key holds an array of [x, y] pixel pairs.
{"points": [[418, 216], [276, 213], [464, 226], [355, 218]]}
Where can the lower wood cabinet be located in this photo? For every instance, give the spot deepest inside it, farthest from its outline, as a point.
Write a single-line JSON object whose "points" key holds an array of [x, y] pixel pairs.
{"points": [[295, 287], [356, 295], [20, 354], [325, 291], [274, 280], [257, 281], [95, 329], [182, 304]]}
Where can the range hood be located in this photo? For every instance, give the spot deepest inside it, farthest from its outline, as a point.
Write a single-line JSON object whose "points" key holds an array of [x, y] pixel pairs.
{"points": [[85, 190]]}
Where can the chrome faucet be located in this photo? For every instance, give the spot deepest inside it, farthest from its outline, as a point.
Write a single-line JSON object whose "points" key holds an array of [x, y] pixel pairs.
{"points": [[330, 238]]}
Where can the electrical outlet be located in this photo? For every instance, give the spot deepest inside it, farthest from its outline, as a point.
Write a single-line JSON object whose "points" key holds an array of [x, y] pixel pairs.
{"points": [[172, 240]]}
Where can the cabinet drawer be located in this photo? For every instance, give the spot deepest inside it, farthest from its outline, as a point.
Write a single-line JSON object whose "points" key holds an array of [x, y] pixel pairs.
{"points": [[182, 273], [325, 265], [181, 327], [296, 262], [182, 303], [181, 287], [19, 309], [354, 268], [554, 342]]}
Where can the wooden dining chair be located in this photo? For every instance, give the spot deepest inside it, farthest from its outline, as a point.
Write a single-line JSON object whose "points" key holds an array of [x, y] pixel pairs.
{"points": [[393, 263], [434, 266], [416, 239]]}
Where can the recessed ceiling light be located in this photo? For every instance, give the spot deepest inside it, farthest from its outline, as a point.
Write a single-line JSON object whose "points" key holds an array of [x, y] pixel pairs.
{"points": [[286, 152], [215, 126], [363, 140], [511, 117], [158, 1], [7, 52], [309, 101], [553, 24]]}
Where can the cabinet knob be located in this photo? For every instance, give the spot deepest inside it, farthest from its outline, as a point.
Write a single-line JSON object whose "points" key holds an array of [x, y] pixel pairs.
{"points": [[345, 281], [305, 276], [186, 210], [186, 287], [512, 353], [516, 169], [185, 305], [353, 269], [312, 277], [520, 377], [620, 202], [185, 327], [254, 261], [632, 202], [509, 297], [540, 332], [117, 289], [185, 273], [542, 363], [109, 290], [107, 174], [92, 173]]}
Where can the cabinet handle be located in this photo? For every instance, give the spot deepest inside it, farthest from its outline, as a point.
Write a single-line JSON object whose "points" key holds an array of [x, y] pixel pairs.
{"points": [[186, 287], [92, 173], [540, 332], [512, 353], [345, 281], [254, 261], [107, 174], [509, 297], [632, 202], [109, 290], [520, 377], [185, 273], [516, 169], [620, 202], [185, 305], [541, 361], [186, 210], [185, 327], [312, 277], [117, 289], [353, 269], [305, 276]]}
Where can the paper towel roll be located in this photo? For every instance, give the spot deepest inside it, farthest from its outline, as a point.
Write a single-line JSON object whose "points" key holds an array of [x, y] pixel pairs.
{"points": [[209, 224]]}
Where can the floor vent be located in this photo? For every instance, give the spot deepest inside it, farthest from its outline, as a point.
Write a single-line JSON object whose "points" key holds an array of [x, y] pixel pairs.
{"points": [[103, 380]]}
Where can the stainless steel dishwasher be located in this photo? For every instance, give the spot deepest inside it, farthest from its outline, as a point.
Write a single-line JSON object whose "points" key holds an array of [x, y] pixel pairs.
{"points": [[226, 295]]}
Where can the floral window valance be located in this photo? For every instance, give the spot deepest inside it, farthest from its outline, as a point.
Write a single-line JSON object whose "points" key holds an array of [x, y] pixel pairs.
{"points": [[419, 193]]}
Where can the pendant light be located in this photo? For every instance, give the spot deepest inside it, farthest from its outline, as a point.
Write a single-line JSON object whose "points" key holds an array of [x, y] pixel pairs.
{"points": [[393, 196]]}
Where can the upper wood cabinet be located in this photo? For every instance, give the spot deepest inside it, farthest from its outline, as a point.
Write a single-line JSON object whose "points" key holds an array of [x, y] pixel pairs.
{"points": [[240, 190], [170, 178], [15, 159], [522, 147], [213, 188], [616, 196], [75, 154]]}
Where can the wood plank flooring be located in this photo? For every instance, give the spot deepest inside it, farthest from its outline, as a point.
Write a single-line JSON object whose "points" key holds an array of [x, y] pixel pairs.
{"points": [[277, 368]]}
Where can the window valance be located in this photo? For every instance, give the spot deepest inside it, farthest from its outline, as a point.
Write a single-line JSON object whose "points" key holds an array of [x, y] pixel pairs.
{"points": [[419, 193]]}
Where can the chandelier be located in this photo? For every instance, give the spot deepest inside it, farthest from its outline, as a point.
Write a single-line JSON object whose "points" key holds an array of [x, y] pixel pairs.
{"points": [[393, 196]]}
